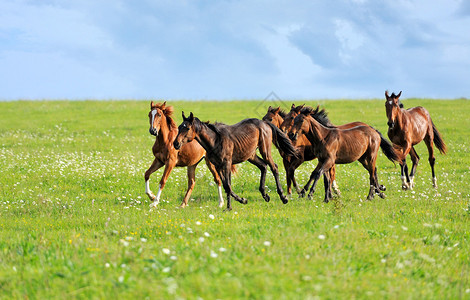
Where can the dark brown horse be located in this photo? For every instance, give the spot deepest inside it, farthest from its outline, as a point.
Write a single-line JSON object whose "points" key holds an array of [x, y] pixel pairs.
{"points": [[232, 144], [333, 145], [164, 128], [408, 127]]}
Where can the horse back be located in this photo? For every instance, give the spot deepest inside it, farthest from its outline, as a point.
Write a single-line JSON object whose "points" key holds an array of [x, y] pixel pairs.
{"points": [[418, 124], [354, 142]]}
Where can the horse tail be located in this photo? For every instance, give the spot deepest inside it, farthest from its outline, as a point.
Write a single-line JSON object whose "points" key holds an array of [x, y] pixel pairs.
{"points": [[438, 141], [281, 141], [388, 149]]}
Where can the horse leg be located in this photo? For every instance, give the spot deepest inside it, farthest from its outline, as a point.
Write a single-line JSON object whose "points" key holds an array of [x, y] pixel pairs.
{"points": [[414, 160], [191, 182], [156, 164], [294, 165], [225, 176], [286, 164], [322, 167], [379, 186], [170, 164], [405, 179], [257, 161], [217, 181], [332, 173], [432, 159], [275, 172], [327, 184]]}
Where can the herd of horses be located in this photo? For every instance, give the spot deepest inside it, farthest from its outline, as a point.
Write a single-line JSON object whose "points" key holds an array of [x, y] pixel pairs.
{"points": [[302, 134]]}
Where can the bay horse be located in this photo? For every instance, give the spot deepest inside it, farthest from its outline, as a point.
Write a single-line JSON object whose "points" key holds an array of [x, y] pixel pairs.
{"points": [[408, 127], [333, 145], [164, 129], [303, 145], [232, 144]]}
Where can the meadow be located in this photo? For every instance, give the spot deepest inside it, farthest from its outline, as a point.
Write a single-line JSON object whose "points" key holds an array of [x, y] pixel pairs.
{"points": [[75, 221]]}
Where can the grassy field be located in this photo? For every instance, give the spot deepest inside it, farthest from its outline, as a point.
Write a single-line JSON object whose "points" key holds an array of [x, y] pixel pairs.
{"points": [[75, 221]]}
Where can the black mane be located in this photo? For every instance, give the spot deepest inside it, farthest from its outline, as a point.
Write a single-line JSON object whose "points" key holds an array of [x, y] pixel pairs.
{"points": [[282, 113], [320, 115]]}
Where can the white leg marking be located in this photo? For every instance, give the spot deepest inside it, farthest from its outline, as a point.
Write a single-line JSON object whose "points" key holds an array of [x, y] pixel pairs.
{"points": [[221, 196], [412, 184], [157, 198], [148, 191], [404, 184], [434, 182], [335, 187]]}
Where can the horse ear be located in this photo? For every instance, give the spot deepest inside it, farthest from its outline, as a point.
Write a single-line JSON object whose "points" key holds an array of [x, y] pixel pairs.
{"points": [[184, 118], [399, 94], [151, 105], [163, 106], [269, 108], [293, 106], [277, 110], [386, 94], [191, 117]]}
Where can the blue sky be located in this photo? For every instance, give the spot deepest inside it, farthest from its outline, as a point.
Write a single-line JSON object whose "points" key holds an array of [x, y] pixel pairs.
{"points": [[114, 49]]}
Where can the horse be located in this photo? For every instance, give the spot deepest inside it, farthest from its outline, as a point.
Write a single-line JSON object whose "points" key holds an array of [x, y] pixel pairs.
{"points": [[232, 144], [303, 145], [164, 129], [408, 127], [333, 145]]}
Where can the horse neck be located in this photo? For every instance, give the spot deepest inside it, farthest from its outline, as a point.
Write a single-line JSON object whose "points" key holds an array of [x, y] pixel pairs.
{"points": [[279, 121], [317, 131], [168, 131], [205, 136], [400, 119]]}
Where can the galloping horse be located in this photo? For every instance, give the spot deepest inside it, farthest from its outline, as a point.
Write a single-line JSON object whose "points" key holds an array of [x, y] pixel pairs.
{"points": [[408, 127], [232, 144], [164, 128], [303, 145], [341, 146]]}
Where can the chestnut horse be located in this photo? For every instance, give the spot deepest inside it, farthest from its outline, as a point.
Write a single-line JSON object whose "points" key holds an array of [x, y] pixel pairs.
{"points": [[232, 144], [408, 127], [342, 146], [164, 128]]}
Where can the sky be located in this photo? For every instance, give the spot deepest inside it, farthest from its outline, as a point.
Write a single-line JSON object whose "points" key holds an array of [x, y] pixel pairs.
{"points": [[196, 50]]}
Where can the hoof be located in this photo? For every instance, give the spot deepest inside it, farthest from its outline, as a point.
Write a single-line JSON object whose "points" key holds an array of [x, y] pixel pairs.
{"points": [[405, 187], [183, 205], [382, 188], [154, 204], [266, 198], [326, 201], [244, 201], [302, 193], [228, 209], [382, 195], [221, 205], [284, 200]]}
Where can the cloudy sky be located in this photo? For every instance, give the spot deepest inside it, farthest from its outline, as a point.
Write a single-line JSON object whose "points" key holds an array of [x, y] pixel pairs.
{"points": [[121, 49]]}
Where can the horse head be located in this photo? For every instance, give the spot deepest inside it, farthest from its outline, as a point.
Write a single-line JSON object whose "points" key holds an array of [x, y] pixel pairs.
{"points": [[289, 118], [274, 116], [186, 132], [156, 114], [300, 125], [392, 108]]}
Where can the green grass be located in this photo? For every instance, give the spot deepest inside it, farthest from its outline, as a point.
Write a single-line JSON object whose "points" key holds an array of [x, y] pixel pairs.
{"points": [[75, 221]]}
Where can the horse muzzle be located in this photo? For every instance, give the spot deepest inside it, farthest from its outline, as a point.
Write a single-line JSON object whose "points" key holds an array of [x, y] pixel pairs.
{"points": [[153, 131], [177, 145], [292, 136]]}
